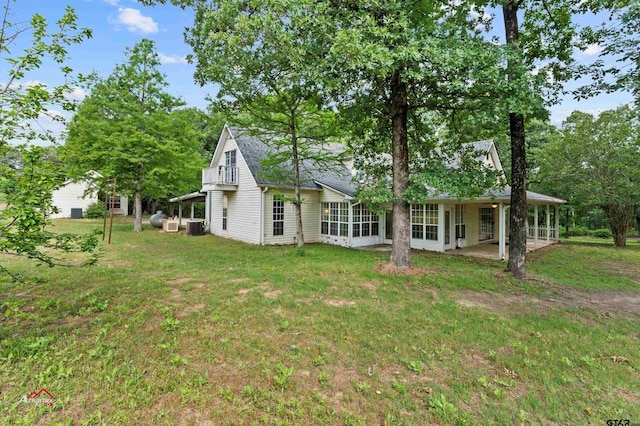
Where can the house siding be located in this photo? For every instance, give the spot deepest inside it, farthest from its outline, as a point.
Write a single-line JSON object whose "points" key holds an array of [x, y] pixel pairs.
{"points": [[243, 204], [310, 218], [72, 196]]}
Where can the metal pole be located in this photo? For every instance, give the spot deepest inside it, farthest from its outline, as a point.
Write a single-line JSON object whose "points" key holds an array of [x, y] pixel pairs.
{"points": [[113, 200], [104, 216]]}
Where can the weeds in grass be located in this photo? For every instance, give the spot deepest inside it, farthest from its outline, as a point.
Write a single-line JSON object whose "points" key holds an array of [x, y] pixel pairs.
{"points": [[115, 347]]}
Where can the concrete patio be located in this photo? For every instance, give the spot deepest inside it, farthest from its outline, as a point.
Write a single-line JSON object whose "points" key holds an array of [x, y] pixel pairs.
{"points": [[490, 250]]}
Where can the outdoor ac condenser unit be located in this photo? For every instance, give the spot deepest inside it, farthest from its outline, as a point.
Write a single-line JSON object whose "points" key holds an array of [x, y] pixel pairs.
{"points": [[170, 225]]}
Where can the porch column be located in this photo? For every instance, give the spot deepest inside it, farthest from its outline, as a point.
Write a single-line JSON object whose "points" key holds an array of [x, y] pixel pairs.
{"points": [[535, 226], [441, 225], [557, 210], [501, 232], [192, 209], [548, 222], [179, 214]]}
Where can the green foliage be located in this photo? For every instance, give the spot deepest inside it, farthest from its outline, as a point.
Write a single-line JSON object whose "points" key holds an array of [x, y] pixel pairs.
{"points": [[589, 164], [601, 233], [20, 104], [130, 128], [26, 195], [28, 175], [95, 210]]}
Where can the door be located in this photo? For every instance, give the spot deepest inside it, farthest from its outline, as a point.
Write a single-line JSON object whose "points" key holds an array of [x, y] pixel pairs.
{"points": [[449, 231], [486, 224], [230, 168]]}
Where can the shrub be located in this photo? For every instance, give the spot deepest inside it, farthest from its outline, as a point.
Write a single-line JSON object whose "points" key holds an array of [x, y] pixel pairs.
{"points": [[577, 231], [601, 233], [95, 210]]}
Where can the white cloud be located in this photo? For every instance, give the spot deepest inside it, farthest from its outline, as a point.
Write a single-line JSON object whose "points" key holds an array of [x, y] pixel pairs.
{"points": [[51, 114], [76, 94], [592, 49], [136, 21], [174, 59], [112, 2]]}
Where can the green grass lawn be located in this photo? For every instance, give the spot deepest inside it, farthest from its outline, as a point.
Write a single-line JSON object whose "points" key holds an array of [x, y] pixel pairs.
{"points": [[169, 329]]}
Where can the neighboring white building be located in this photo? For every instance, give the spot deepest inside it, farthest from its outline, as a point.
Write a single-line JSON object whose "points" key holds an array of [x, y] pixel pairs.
{"points": [[242, 205], [73, 194]]}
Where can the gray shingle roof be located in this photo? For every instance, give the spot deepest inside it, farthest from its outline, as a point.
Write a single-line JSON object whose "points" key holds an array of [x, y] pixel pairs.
{"points": [[339, 178], [254, 151]]}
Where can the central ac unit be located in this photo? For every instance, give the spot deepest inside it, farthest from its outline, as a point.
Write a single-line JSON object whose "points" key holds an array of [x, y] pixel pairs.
{"points": [[170, 225]]}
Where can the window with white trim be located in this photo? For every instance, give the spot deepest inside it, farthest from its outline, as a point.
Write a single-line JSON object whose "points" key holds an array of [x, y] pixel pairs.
{"points": [[424, 221], [461, 227], [278, 215], [365, 222], [224, 218], [334, 219]]}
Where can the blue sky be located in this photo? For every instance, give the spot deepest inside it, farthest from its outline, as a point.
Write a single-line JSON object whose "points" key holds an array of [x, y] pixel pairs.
{"points": [[118, 24]]}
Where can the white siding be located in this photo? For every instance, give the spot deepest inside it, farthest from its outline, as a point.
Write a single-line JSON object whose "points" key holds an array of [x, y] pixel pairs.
{"points": [[310, 218], [70, 196], [243, 214]]}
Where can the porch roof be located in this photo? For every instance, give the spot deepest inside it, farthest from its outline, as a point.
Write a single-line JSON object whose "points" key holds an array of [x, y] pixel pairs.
{"points": [[504, 196], [194, 196]]}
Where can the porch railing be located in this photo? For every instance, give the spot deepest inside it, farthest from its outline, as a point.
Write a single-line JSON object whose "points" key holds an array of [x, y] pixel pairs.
{"points": [[542, 232], [220, 175]]}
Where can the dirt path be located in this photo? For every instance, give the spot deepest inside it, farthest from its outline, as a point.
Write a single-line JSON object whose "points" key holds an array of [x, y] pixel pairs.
{"points": [[603, 302]]}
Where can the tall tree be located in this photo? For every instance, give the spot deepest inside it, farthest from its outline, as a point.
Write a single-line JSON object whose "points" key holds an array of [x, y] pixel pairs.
{"points": [[540, 60], [593, 160], [27, 175], [300, 133], [271, 92], [129, 128]]}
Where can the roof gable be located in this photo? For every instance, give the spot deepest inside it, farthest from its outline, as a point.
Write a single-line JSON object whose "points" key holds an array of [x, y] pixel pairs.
{"points": [[255, 151]]}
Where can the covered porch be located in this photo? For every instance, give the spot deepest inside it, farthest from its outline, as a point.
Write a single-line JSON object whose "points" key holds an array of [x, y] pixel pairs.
{"points": [[188, 201], [491, 250]]}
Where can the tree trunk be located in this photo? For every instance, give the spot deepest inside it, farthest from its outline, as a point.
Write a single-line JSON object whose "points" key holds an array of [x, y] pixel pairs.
{"points": [[619, 220], [566, 226], [137, 224], [518, 211], [296, 187], [401, 246]]}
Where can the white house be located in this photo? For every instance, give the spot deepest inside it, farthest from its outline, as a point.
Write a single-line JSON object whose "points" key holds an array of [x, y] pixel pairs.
{"points": [[75, 194], [242, 205]]}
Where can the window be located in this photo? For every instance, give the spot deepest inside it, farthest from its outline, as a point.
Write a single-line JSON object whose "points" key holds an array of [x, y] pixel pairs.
{"points": [[461, 227], [106, 199], [424, 221], [334, 219], [365, 223], [278, 215], [224, 218]]}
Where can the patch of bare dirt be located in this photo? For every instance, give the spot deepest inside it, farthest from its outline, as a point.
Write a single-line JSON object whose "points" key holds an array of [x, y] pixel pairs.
{"points": [[337, 303], [391, 269], [272, 294], [175, 294], [371, 285], [604, 302], [188, 309], [190, 416], [178, 281]]}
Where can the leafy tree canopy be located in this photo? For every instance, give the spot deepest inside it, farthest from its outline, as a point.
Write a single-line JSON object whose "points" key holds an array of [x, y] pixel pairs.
{"points": [[130, 128], [593, 161]]}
